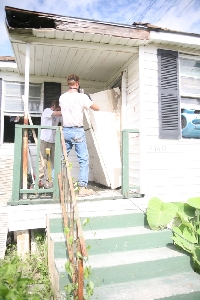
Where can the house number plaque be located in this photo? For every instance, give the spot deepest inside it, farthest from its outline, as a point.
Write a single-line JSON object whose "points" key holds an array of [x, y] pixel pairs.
{"points": [[157, 148]]}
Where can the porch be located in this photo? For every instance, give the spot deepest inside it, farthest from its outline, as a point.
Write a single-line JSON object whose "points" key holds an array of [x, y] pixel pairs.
{"points": [[26, 188]]}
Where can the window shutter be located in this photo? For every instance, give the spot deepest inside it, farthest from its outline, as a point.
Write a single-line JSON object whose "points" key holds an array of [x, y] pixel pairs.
{"points": [[52, 91], [0, 107], [168, 95]]}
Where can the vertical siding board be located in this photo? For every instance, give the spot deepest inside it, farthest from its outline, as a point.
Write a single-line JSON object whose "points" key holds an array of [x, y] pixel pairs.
{"points": [[168, 94], [133, 118]]}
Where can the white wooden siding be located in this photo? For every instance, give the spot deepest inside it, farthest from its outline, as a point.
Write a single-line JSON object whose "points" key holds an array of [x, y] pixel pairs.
{"points": [[6, 178], [133, 94], [6, 169], [170, 167]]}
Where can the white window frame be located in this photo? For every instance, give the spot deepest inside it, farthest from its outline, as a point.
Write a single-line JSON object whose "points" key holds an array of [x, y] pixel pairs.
{"points": [[18, 113], [188, 100], [189, 57], [17, 83]]}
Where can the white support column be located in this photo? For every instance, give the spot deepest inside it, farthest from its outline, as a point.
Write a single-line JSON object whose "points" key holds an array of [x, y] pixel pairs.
{"points": [[124, 100], [27, 71]]}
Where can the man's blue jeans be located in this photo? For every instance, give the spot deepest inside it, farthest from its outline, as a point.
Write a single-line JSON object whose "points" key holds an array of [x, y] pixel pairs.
{"points": [[76, 136]]}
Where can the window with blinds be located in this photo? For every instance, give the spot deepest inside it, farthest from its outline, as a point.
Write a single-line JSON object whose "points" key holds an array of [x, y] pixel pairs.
{"points": [[13, 97]]}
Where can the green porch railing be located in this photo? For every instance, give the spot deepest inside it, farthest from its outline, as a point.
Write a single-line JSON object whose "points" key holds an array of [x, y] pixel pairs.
{"points": [[34, 195], [37, 195], [126, 188]]}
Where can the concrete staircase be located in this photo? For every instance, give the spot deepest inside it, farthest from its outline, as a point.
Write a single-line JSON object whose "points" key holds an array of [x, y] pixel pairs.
{"points": [[129, 261]]}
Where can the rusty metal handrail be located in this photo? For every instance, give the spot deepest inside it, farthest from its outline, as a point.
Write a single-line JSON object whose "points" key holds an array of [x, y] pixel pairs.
{"points": [[70, 214]]}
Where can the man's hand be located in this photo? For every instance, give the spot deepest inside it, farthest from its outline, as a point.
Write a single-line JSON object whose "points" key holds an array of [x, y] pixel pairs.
{"points": [[57, 113]]}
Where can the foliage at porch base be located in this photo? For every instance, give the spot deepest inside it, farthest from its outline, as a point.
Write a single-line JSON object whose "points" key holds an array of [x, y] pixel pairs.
{"points": [[27, 278], [185, 223]]}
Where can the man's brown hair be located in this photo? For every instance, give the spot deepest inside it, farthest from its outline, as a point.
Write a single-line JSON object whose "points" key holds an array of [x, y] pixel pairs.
{"points": [[55, 103], [72, 78]]}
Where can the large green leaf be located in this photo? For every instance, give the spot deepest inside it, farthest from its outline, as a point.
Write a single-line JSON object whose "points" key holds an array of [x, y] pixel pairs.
{"points": [[194, 202], [186, 221], [183, 244], [185, 210], [159, 214], [186, 233]]}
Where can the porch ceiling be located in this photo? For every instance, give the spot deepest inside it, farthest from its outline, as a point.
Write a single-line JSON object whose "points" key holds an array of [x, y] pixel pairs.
{"points": [[61, 45], [57, 58]]}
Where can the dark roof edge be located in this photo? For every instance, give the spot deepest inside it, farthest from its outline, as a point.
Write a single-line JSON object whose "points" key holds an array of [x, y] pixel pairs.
{"points": [[55, 16], [135, 25]]}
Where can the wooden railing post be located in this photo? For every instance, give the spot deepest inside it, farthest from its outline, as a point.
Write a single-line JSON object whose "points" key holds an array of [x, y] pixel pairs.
{"points": [[17, 164], [125, 163], [80, 273]]}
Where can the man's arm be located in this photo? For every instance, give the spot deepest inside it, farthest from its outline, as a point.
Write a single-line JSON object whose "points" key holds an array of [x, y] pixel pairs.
{"points": [[95, 107], [57, 113]]}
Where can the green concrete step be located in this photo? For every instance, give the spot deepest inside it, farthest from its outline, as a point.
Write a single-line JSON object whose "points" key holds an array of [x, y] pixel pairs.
{"points": [[142, 270], [129, 261], [149, 239], [104, 222], [109, 268], [171, 287]]}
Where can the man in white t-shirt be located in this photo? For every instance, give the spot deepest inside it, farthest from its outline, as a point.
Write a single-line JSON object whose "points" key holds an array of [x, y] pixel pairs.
{"points": [[50, 117], [72, 105]]}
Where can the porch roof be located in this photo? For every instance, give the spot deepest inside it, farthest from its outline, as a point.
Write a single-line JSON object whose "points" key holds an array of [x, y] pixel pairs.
{"points": [[60, 45], [95, 50]]}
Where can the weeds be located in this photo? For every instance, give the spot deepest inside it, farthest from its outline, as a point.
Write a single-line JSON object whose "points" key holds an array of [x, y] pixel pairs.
{"points": [[26, 278]]}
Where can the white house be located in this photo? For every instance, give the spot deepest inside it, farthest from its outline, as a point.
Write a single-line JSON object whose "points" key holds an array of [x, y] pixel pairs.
{"points": [[156, 70]]}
